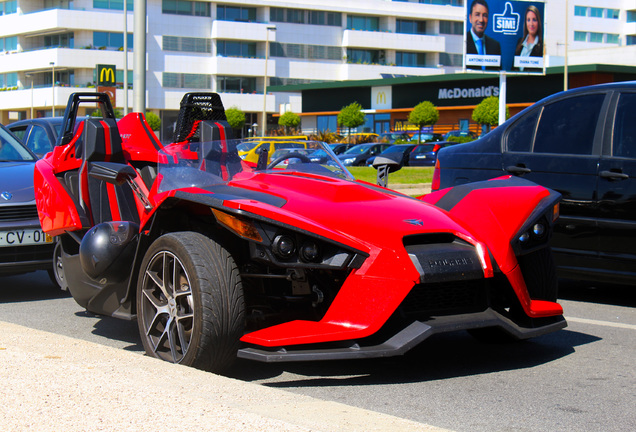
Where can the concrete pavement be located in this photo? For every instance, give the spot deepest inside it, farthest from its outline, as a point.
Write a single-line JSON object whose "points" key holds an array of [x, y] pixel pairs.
{"points": [[50, 382]]}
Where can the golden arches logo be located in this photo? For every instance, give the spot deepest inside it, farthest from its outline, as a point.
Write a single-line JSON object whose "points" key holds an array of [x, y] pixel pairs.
{"points": [[106, 75], [380, 98]]}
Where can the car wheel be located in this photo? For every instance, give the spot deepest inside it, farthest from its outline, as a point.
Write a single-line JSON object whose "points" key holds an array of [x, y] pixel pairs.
{"points": [[56, 274], [190, 307]]}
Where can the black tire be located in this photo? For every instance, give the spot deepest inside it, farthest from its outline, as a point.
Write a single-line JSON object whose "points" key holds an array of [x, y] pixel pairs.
{"points": [[56, 274], [200, 322]]}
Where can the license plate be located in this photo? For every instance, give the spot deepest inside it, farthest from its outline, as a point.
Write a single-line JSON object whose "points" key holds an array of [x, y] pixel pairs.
{"points": [[24, 237]]}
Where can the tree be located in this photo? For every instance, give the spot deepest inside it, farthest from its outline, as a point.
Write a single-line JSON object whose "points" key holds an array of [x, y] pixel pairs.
{"points": [[153, 120], [235, 117], [289, 120], [351, 116], [487, 112], [424, 114]]}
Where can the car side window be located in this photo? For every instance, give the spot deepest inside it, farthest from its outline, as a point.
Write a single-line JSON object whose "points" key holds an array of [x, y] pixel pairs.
{"points": [[624, 136], [38, 141], [568, 126], [19, 132], [521, 133]]}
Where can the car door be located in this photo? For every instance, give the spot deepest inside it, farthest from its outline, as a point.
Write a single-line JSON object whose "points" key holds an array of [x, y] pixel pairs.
{"points": [[617, 189], [558, 146]]}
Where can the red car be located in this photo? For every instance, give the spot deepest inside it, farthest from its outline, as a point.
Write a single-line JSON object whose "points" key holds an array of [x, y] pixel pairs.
{"points": [[217, 257]]}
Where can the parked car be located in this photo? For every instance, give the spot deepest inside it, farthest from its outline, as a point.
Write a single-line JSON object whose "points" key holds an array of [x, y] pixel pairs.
{"points": [[218, 257], [426, 154], [581, 143], [398, 152], [24, 247], [38, 134], [392, 137], [358, 155], [339, 148], [459, 134], [426, 137]]}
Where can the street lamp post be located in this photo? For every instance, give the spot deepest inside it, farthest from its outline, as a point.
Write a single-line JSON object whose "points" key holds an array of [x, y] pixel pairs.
{"points": [[268, 28], [53, 88], [31, 78]]}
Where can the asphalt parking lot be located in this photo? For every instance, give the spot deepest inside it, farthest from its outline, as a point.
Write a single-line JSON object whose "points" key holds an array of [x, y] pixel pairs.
{"points": [[581, 378]]}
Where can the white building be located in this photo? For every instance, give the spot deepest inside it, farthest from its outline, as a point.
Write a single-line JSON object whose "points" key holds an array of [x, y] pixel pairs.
{"points": [[221, 46]]}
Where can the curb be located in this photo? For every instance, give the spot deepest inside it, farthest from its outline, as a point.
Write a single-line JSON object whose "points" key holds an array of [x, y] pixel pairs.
{"points": [[53, 383]]}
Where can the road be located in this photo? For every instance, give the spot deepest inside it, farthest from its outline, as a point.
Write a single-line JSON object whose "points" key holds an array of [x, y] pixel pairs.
{"points": [[582, 378]]}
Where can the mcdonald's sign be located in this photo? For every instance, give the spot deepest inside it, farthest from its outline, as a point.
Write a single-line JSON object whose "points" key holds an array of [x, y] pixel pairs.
{"points": [[381, 97], [106, 75]]}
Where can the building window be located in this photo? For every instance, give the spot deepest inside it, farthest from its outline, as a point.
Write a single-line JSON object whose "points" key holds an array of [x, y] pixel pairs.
{"points": [[181, 80], [365, 56], [630, 40], [234, 84], [235, 13], [183, 7], [443, 2], [612, 13], [366, 23], [612, 38], [580, 36], [327, 123], [9, 80], [9, 43], [311, 52], [451, 27], [410, 59], [631, 16], [111, 40], [410, 27], [596, 12], [301, 16], [8, 7], [596, 37], [580, 11], [113, 4], [64, 40], [235, 49], [446, 59], [187, 44]]}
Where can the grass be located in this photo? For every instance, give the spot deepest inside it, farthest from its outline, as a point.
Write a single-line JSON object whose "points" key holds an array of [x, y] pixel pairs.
{"points": [[407, 175]]}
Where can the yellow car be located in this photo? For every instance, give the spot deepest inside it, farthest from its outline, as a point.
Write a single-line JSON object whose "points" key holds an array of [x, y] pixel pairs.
{"points": [[250, 149]]}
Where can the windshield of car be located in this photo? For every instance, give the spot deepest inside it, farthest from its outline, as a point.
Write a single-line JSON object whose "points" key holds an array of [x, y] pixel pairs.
{"points": [[358, 149], [206, 164], [12, 150]]}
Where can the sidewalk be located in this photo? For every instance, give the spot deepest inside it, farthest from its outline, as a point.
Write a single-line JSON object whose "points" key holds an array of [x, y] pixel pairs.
{"points": [[55, 383], [411, 189]]}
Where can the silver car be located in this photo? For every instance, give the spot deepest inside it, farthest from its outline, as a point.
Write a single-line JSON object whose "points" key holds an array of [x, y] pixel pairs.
{"points": [[23, 245]]}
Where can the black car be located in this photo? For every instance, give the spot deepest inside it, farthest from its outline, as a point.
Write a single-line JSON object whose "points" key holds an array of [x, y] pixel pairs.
{"points": [[339, 148], [398, 152], [426, 154], [581, 143], [392, 137], [459, 134], [358, 155], [38, 134]]}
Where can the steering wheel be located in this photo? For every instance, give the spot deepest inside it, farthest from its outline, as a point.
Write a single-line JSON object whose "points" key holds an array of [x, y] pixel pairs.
{"points": [[291, 155]]}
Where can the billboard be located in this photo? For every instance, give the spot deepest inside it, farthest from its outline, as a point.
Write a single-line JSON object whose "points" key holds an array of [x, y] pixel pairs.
{"points": [[504, 35]]}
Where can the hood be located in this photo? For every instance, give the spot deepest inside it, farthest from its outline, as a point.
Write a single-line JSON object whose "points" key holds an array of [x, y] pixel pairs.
{"points": [[360, 210], [17, 180]]}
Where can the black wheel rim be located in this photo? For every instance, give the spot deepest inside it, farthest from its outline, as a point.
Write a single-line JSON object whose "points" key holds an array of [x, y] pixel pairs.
{"points": [[166, 308]]}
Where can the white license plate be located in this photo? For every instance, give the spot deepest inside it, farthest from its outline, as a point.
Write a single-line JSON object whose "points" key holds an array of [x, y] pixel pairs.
{"points": [[24, 237]]}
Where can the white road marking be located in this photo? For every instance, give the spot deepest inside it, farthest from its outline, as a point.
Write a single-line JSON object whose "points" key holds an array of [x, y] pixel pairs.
{"points": [[601, 323]]}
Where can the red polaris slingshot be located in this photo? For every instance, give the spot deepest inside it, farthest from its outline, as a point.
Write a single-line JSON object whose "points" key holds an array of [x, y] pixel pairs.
{"points": [[283, 259]]}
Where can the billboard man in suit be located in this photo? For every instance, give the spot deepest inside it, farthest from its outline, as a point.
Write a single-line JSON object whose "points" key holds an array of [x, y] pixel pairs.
{"points": [[476, 40]]}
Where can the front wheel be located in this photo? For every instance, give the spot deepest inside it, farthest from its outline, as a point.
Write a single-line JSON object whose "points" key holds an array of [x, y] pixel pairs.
{"points": [[190, 307]]}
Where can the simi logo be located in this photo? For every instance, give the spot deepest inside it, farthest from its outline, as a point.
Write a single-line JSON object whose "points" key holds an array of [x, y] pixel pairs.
{"points": [[6, 195], [507, 22]]}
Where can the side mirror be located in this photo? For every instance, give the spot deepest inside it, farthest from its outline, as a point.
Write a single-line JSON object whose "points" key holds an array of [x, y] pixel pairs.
{"points": [[385, 166]]}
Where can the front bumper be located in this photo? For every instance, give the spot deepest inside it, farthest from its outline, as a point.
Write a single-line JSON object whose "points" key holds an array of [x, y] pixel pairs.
{"points": [[404, 340]]}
